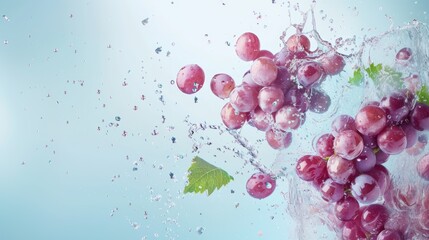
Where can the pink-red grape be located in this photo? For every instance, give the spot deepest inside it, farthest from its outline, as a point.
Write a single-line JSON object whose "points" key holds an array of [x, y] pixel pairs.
{"points": [[347, 208], [298, 43], [370, 120], [396, 106], [260, 185], [190, 78], [325, 145], [374, 217], [270, 99], [231, 118], [319, 101], [331, 191], [341, 123], [348, 144], [365, 188], [420, 117], [352, 230], [264, 71], [339, 169], [404, 54], [366, 160], [265, 53], [244, 98], [288, 117], [260, 119], [310, 73], [247, 46], [388, 234], [392, 140], [332, 63], [278, 139], [222, 85], [309, 167], [298, 97]]}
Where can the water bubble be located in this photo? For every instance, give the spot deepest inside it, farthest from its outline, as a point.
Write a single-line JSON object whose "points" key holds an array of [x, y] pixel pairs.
{"points": [[5, 42], [117, 118], [172, 82]]}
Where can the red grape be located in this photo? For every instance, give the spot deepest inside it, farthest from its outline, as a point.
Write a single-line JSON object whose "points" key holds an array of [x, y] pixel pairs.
{"points": [[325, 145], [332, 63], [353, 231], [346, 209], [369, 141], [283, 58], [260, 185], [264, 71], [270, 99], [365, 161], [278, 139], [265, 53], [410, 134], [389, 235], [319, 101], [404, 54], [381, 157], [298, 43], [297, 97], [190, 78], [339, 169], [260, 119], [423, 167], [231, 118], [341, 123], [370, 120], [309, 167], [244, 98], [283, 80], [374, 217], [222, 85], [392, 140], [247, 79], [348, 144], [310, 73], [396, 106], [420, 117], [287, 118], [247, 46], [381, 176], [365, 188], [331, 191]]}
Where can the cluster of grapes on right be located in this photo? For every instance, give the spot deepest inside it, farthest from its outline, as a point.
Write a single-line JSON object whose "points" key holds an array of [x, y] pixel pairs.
{"points": [[348, 169]]}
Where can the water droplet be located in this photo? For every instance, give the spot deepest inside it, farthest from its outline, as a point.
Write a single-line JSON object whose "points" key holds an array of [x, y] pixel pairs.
{"points": [[117, 118], [172, 82], [5, 42]]}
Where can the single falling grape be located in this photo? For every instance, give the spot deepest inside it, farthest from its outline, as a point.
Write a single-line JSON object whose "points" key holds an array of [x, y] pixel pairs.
{"points": [[190, 79], [260, 185]]}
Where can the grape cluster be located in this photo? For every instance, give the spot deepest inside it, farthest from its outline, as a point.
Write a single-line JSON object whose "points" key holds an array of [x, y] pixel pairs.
{"points": [[274, 94], [348, 169]]}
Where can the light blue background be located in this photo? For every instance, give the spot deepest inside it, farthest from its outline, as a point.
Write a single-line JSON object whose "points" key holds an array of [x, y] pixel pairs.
{"points": [[62, 178]]}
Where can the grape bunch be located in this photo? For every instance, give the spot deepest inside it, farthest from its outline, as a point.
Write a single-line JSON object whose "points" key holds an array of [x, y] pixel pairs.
{"points": [[274, 94], [348, 168]]}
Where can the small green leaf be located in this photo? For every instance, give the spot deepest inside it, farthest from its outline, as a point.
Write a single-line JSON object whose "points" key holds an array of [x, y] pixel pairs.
{"points": [[373, 71], [423, 95], [357, 78], [204, 176]]}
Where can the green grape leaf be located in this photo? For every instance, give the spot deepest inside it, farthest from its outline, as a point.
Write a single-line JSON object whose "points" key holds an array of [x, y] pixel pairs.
{"points": [[357, 78], [204, 176], [423, 95], [373, 71]]}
